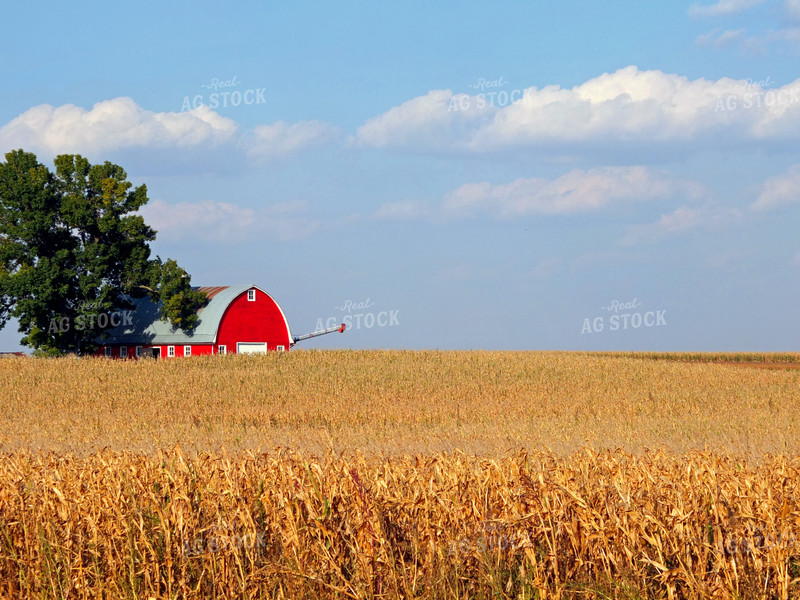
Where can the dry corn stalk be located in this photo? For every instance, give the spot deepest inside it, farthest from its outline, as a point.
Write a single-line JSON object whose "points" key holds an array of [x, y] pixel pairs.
{"points": [[607, 524]]}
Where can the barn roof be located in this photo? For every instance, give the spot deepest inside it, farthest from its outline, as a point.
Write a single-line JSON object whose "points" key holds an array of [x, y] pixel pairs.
{"points": [[148, 328]]}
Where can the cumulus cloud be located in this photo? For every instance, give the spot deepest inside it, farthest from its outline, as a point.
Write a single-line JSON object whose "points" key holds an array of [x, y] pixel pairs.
{"points": [[225, 222], [722, 8], [423, 114], [283, 139], [572, 193], [121, 124], [435, 120], [626, 108], [112, 125], [779, 191]]}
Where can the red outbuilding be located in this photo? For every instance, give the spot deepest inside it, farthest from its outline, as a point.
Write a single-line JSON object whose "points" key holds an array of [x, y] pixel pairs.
{"points": [[236, 319]]}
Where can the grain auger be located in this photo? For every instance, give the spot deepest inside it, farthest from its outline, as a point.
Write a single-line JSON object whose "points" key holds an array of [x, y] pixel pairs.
{"points": [[300, 338]]}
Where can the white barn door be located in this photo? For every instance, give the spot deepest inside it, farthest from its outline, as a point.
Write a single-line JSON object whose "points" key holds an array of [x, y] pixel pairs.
{"points": [[251, 348]]}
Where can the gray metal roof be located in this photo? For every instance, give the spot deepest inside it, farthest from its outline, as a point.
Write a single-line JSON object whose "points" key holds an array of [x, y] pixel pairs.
{"points": [[148, 328]]}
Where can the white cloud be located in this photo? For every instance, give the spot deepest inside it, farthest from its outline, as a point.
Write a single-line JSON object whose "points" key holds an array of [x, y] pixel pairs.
{"points": [[780, 191], [225, 222], [627, 108], [722, 7], [433, 120], [122, 124], [111, 125], [425, 113], [282, 139], [575, 192]]}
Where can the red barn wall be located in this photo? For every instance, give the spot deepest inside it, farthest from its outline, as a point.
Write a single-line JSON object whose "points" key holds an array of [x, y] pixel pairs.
{"points": [[197, 350], [260, 320]]}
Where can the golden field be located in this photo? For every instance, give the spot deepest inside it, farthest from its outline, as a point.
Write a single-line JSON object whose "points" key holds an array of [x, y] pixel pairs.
{"points": [[390, 474], [396, 402]]}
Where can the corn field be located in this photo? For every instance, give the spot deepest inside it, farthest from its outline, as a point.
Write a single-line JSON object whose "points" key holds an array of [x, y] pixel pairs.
{"points": [[400, 475], [396, 402], [528, 525]]}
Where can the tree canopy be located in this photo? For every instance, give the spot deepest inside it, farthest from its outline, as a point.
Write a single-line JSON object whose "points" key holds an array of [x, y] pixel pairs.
{"points": [[72, 247]]}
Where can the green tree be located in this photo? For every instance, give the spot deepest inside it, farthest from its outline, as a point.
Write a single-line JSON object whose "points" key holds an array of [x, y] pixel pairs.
{"points": [[72, 247]]}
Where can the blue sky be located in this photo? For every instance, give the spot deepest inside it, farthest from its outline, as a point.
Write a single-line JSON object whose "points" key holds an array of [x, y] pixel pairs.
{"points": [[549, 175]]}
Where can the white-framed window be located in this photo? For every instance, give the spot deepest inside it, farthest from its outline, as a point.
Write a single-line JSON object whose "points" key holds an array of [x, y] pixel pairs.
{"points": [[170, 351], [280, 348], [187, 350], [138, 351], [123, 352], [251, 295], [222, 349], [108, 351]]}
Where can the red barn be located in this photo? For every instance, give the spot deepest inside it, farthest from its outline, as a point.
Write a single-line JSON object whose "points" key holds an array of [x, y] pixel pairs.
{"points": [[237, 319]]}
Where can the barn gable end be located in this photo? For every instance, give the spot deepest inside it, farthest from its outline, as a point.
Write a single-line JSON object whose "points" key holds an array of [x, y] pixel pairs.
{"points": [[255, 321]]}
